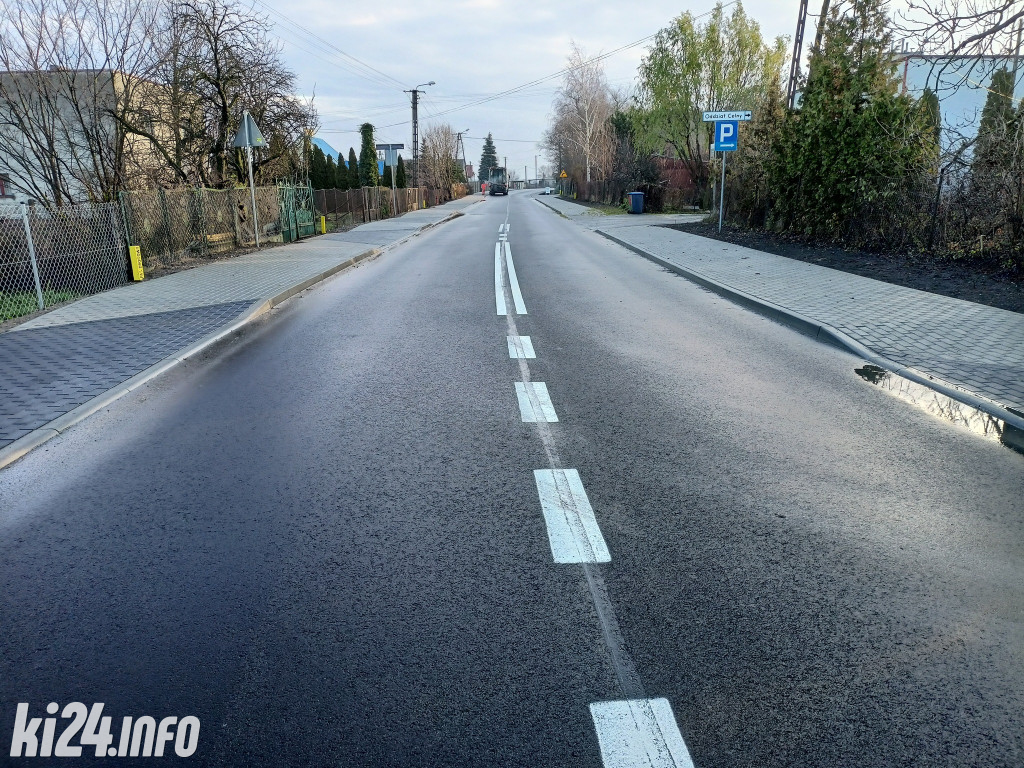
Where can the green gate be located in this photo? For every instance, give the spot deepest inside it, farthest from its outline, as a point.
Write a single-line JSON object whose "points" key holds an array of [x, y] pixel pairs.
{"points": [[297, 213]]}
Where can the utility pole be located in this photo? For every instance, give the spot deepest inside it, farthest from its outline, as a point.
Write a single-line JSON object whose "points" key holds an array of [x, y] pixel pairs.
{"points": [[1016, 53], [798, 44], [536, 176], [462, 157], [416, 132]]}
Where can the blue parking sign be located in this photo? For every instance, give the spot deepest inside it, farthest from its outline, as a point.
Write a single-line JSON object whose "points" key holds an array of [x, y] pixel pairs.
{"points": [[727, 135]]}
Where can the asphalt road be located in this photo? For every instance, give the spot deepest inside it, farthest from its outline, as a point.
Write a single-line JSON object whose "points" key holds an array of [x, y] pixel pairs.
{"points": [[326, 542]]}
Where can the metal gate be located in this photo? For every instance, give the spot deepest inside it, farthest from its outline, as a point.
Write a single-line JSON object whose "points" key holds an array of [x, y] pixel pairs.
{"points": [[297, 214]]}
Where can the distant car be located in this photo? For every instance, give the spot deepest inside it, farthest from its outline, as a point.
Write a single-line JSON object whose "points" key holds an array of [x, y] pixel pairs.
{"points": [[546, 191]]}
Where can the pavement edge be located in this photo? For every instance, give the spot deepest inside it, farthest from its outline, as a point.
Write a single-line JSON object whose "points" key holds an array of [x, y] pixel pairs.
{"points": [[827, 334], [27, 443]]}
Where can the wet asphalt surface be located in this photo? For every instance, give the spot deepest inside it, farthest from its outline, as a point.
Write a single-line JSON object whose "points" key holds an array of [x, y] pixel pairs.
{"points": [[324, 541]]}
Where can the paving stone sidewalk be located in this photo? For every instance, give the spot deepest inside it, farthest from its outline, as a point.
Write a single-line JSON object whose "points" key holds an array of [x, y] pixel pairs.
{"points": [[970, 346], [58, 361]]}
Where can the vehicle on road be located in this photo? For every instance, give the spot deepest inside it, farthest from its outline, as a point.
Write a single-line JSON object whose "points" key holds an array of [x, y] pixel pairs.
{"points": [[497, 181], [546, 191]]}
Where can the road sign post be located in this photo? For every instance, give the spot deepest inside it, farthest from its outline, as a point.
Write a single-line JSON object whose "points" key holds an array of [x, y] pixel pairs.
{"points": [[726, 140], [391, 158], [249, 136]]}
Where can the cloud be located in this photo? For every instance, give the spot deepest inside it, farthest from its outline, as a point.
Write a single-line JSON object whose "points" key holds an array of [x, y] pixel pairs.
{"points": [[471, 48]]}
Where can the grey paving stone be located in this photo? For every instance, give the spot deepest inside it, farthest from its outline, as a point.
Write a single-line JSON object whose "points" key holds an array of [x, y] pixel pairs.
{"points": [[971, 346], [59, 360], [52, 370]]}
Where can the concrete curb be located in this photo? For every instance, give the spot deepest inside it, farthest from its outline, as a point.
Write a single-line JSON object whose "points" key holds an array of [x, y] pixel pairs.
{"points": [[427, 227], [23, 445], [552, 208], [827, 334]]}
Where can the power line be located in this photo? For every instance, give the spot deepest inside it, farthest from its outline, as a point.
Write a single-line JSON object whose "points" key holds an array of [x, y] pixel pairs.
{"points": [[358, 67], [495, 138], [560, 73]]}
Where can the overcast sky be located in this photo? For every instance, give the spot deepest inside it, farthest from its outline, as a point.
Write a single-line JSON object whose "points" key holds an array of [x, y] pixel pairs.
{"points": [[472, 49]]}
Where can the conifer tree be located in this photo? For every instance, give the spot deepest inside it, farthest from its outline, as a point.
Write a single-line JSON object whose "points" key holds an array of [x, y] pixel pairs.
{"points": [[330, 173], [369, 175], [354, 181], [488, 159], [341, 174], [851, 155], [400, 180], [317, 168], [995, 133]]}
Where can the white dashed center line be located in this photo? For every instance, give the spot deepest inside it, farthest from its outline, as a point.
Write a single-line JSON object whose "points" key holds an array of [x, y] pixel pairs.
{"points": [[499, 283], [572, 528], [521, 347], [636, 732], [535, 402], [639, 732], [513, 281]]}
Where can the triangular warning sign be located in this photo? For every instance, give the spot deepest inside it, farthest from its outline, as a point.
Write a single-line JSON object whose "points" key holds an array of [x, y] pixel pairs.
{"points": [[248, 133]]}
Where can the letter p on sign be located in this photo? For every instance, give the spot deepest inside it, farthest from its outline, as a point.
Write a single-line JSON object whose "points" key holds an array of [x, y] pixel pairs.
{"points": [[726, 138]]}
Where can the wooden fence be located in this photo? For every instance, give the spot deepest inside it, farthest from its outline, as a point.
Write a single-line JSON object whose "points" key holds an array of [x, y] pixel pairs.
{"points": [[344, 208]]}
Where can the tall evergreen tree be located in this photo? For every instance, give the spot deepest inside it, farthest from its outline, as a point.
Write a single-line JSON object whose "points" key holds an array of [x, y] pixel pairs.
{"points": [[386, 178], [849, 158], [995, 133], [341, 173], [330, 173], [932, 113], [317, 168], [488, 159], [369, 175], [354, 182], [400, 179]]}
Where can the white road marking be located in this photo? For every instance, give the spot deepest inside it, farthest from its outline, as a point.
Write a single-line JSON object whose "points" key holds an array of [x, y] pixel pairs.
{"points": [[513, 282], [534, 401], [520, 347], [499, 284], [572, 528], [639, 732]]}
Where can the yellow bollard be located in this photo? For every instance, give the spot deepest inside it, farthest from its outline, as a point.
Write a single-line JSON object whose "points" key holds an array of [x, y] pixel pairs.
{"points": [[323, 225], [135, 257]]}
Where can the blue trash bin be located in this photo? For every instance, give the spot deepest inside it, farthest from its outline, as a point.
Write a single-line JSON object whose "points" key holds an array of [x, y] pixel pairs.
{"points": [[636, 202]]}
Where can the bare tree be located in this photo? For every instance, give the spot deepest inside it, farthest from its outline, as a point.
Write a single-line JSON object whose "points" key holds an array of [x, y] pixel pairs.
{"points": [[221, 59], [582, 107], [102, 95], [968, 39], [962, 27], [438, 166], [70, 67]]}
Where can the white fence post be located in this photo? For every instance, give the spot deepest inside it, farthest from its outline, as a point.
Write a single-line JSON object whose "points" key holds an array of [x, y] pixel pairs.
{"points": [[32, 254]]}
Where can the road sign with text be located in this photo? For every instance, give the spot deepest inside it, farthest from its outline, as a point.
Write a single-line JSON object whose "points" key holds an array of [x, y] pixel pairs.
{"points": [[727, 135], [741, 114]]}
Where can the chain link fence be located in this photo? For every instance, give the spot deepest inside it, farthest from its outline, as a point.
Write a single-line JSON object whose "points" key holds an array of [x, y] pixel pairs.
{"points": [[176, 226], [47, 257]]}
